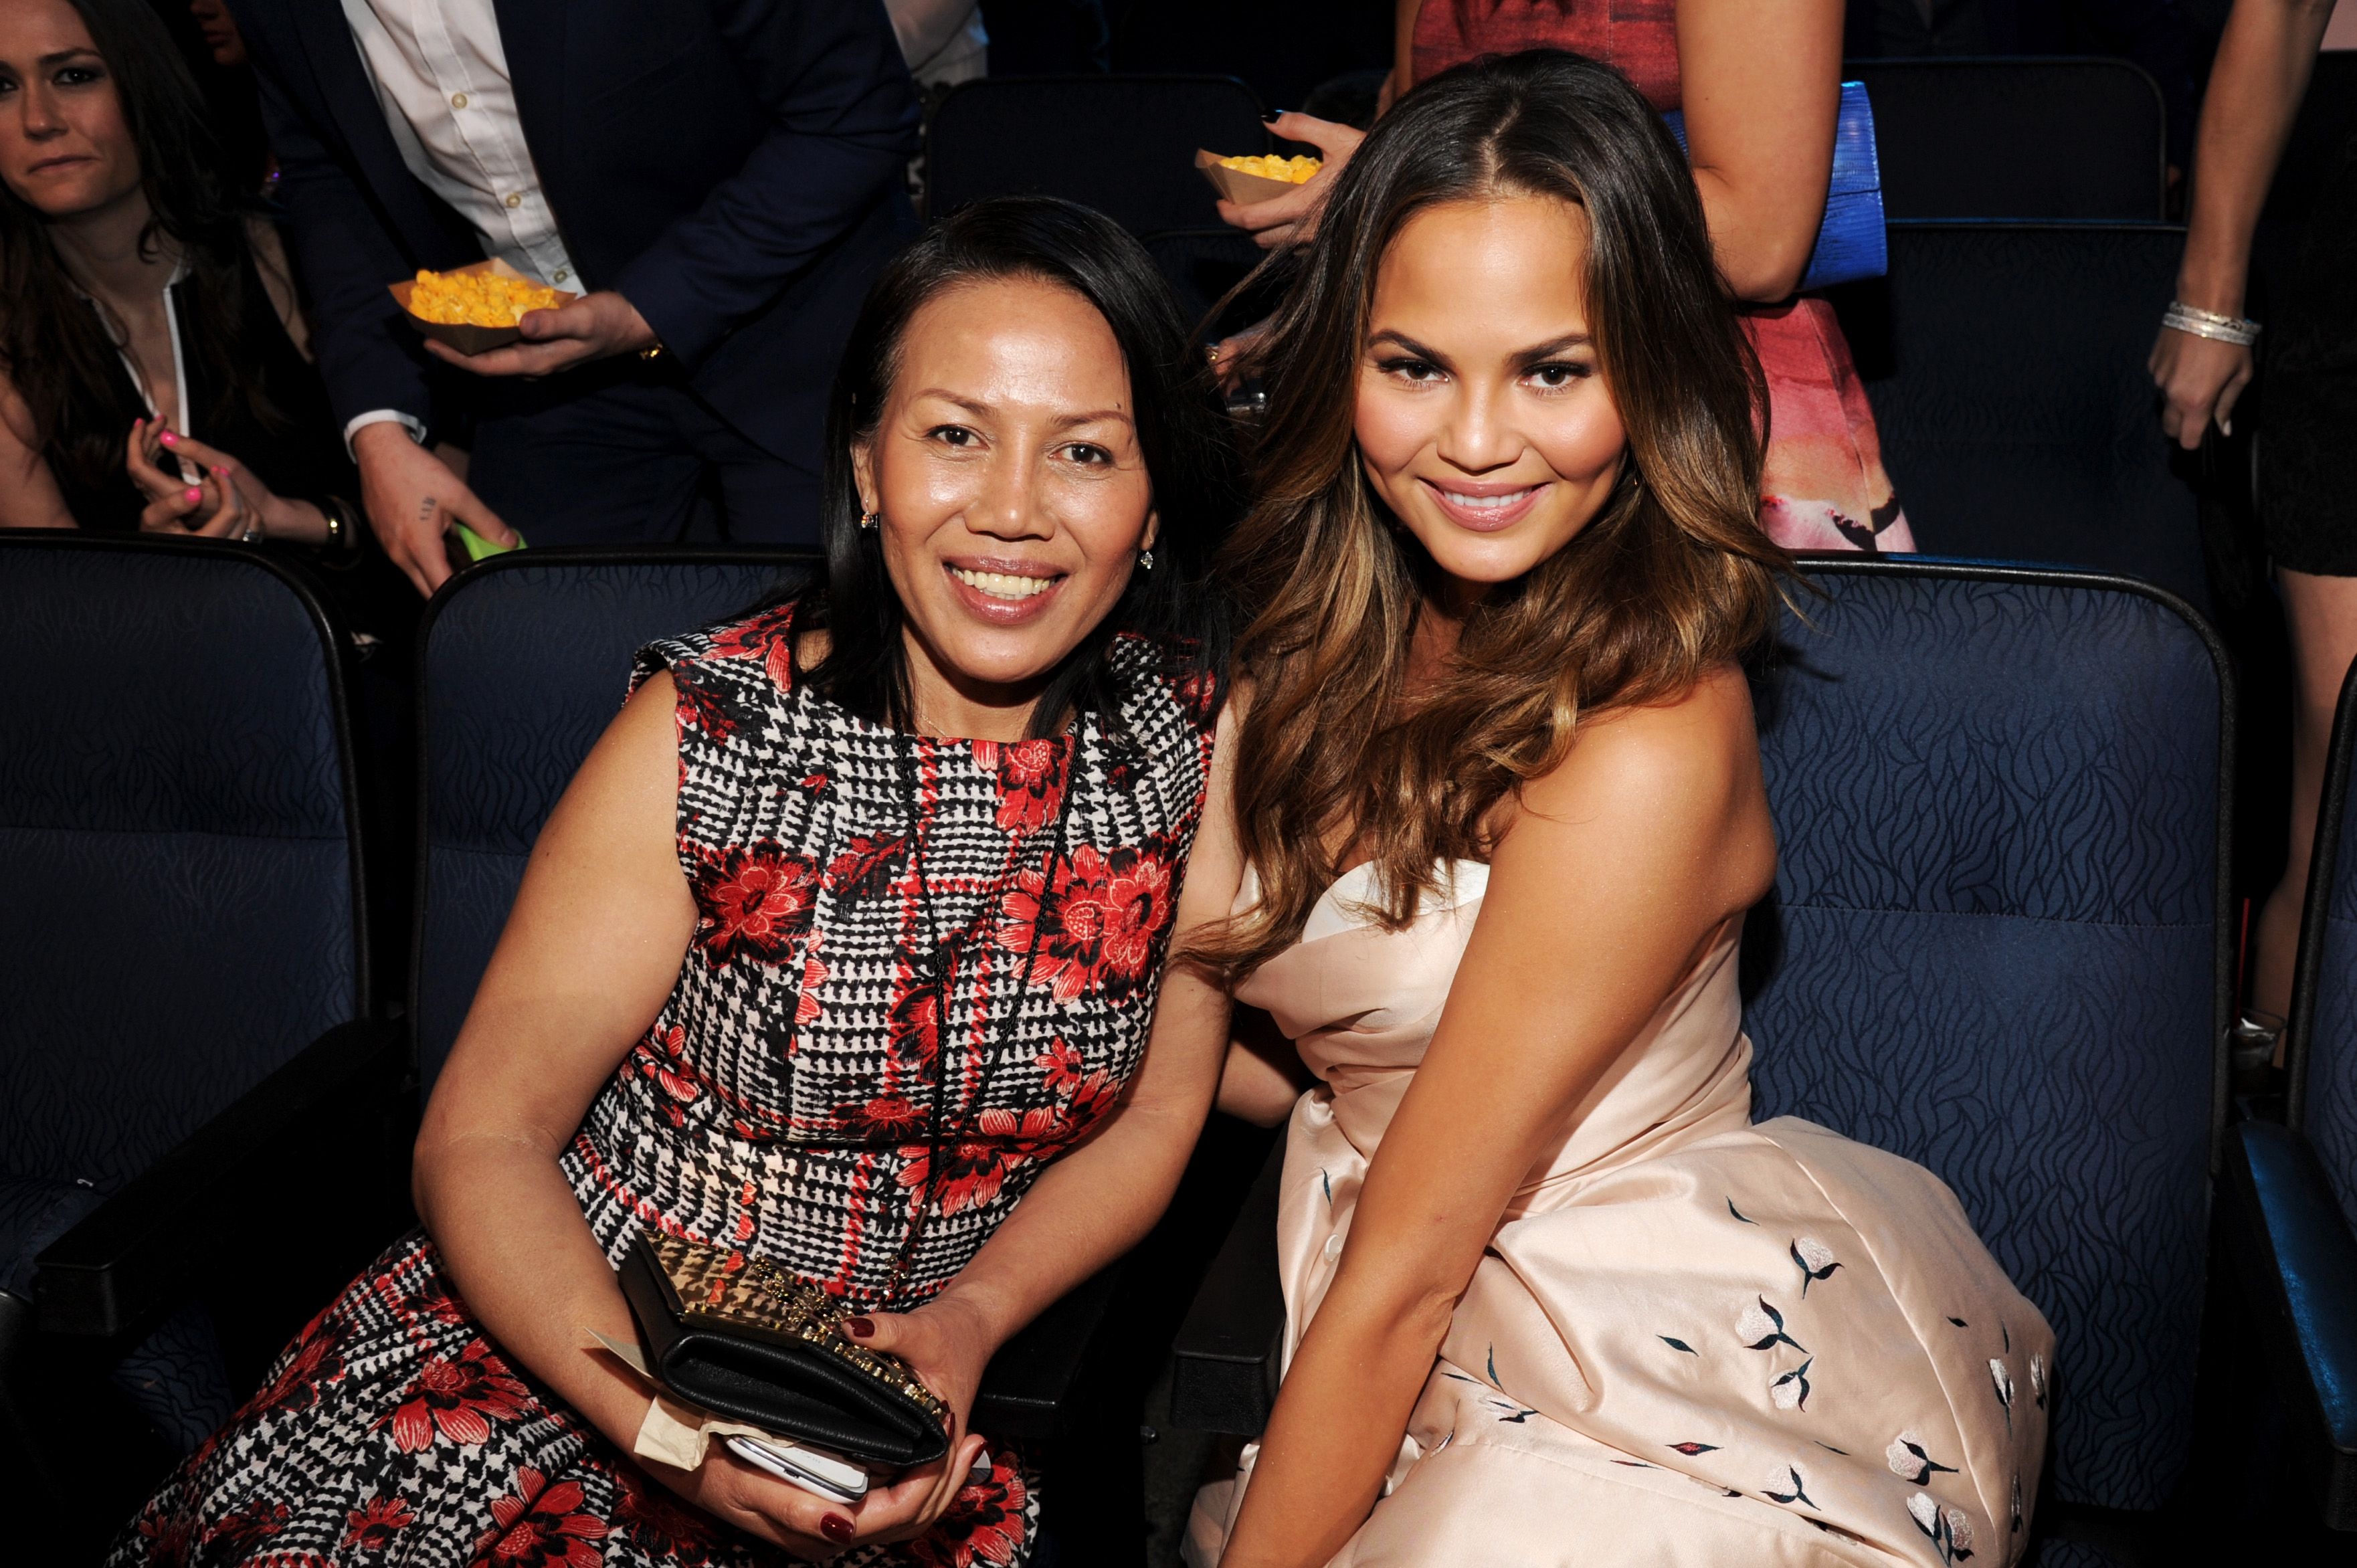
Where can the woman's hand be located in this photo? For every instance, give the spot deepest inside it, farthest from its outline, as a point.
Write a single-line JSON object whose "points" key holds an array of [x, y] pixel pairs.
{"points": [[812, 1528], [1292, 219], [949, 1343], [2199, 380], [229, 501]]}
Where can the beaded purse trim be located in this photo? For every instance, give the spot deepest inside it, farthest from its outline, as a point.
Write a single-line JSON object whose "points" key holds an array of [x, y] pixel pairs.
{"points": [[761, 1299]]}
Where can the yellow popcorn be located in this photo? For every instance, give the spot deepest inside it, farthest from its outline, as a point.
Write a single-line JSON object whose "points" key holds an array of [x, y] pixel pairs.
{"points": [[479, 299], [1293, 171]]}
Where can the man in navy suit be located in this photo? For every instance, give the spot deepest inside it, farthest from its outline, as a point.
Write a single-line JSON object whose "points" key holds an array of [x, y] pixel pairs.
{"points": [[719, 179]]}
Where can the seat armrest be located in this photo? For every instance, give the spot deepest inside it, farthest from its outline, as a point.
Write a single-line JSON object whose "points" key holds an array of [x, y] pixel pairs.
{"points": [[139, 1252], [1224, 1363], [1027, 1385], [2298, 1262]]}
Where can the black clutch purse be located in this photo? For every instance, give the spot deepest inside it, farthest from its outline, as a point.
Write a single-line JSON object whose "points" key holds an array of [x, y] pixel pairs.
{"points": [[764, 1348]]}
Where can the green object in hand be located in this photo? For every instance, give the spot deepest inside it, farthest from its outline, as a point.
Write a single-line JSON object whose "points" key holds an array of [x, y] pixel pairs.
{"points": [[478, 548]]}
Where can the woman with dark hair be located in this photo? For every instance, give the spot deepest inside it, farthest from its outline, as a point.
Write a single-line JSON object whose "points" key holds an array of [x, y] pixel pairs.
{"points": [[1760, 84], [844, 951], [149, 336], [1552, 1295]]}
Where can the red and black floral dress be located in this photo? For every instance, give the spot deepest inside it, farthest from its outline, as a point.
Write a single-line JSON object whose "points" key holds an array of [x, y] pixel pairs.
{"points": [[921, 970]]}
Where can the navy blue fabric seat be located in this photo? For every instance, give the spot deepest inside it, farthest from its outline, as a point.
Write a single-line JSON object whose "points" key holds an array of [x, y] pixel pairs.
{"points": [[1123, 145], [2041, 441], [183, 963], [2290, 1190], [1998, 945], [2018, 136], [524, 661]]}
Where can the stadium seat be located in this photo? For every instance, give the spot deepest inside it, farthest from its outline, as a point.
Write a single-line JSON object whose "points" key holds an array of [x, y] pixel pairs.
{"points": [[197, 1120], [2289, 1189], [2006, 366], [1123, 145], [1202, 266], [1997, 945], [2017, 137], [524, 660]]}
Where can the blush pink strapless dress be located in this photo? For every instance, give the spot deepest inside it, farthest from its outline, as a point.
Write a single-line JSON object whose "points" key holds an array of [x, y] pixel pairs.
{"points": [[1694, 1340]]}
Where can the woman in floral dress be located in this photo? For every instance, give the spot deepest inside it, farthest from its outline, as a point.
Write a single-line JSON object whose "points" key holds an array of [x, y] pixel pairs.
{"points": [[844, 949]]}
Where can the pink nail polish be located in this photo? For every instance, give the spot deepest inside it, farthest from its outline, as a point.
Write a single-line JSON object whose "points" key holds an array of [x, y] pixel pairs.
{"points": [[192, 496], [168, 439], [220, 473]]}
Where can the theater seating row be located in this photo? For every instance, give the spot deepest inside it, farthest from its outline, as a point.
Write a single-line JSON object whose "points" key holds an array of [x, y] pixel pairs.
{"points": [[1998, 944]]}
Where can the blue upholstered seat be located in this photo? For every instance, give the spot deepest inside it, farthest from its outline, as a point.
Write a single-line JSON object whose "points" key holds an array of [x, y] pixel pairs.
{"points": [[2290, 1191], [526, 660], [180, 912], [1997, 945]]}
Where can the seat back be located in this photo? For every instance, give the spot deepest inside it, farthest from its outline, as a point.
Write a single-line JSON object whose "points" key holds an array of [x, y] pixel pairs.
{"points": [[523, 661], [2017, 137], [2322, 1054], [2040, 440], [1998, 945], [1123, 145], [181, 884]]}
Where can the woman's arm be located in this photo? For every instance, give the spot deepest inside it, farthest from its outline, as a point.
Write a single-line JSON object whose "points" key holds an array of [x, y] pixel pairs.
{"points": [[1264, 1075], [29, 497], [590, 952], [2263, 61], [1761, 80], [1618, 872]]}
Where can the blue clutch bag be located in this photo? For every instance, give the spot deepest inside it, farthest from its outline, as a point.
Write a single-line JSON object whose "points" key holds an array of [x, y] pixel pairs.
{"points": [[1849, 241]]}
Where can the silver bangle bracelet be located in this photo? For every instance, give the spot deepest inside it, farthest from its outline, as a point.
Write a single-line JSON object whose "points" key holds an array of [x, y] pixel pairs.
{"points": [[2182, 317]]}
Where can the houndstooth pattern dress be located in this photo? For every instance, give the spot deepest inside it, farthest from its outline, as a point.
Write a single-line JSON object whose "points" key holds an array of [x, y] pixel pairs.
{"points": [[922, 968]]}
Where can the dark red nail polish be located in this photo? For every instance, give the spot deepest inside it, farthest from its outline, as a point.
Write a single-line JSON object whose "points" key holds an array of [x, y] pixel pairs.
{"points": [[837, 1529], [859, 1327]]}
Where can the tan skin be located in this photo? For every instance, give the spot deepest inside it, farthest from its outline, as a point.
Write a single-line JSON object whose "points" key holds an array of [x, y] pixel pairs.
{"points": [[1760, 81], [2265, 57], [67, 151], [1007, 432], [1611, 876]]}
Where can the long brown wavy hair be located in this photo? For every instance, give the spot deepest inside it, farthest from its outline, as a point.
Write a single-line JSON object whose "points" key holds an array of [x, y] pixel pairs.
{"points": [[1671, 577]]}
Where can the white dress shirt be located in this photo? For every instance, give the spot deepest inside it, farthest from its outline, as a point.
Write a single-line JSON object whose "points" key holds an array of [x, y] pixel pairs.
{"points": [[441, 75]]}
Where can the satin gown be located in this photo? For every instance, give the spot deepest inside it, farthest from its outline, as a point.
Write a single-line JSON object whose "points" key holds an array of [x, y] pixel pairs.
{"points": [[1693, 1340]]}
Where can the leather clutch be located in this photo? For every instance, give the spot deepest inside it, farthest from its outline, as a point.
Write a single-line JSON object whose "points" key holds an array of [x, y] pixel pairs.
{"points": [[759, 1345], [1851, 244]]}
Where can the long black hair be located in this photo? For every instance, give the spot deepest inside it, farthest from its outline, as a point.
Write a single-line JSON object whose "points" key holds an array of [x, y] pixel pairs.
{"points": [[1182, 431], [53, 347]]}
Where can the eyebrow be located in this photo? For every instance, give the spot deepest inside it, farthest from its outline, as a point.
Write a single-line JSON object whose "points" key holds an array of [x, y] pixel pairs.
{"points": [[1530, 356], [62, 56], [1066, 423]]}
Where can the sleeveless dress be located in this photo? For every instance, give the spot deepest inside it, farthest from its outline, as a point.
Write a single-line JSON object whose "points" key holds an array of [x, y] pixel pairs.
{"points": [[1693, 1341], [922, 968], [1824, 487]]}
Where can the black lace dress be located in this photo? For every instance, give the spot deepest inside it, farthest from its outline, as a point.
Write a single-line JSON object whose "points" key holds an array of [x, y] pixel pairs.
{"points": [[921, 970]]}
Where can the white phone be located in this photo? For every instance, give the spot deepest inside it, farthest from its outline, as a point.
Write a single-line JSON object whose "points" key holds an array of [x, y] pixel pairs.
{"points": [[812, 1469]]}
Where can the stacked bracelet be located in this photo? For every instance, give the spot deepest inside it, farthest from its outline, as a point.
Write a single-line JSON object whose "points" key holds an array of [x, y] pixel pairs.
{"points": [[2182, 317]]}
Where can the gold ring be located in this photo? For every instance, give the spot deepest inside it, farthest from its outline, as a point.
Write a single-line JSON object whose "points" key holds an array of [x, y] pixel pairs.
{"points": [[1214, 352]]}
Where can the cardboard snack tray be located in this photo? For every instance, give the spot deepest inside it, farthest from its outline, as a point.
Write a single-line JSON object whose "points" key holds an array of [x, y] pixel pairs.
{"points": [[468, 339]]}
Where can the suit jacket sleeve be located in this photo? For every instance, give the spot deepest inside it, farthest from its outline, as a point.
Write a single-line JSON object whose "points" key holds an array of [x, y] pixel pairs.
{"points": [[368, 355], [842, 126]]}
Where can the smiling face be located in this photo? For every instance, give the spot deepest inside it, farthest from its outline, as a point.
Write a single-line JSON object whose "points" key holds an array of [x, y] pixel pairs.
{"points": [[1013, 494], [1484, 420], [65, 149]]}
